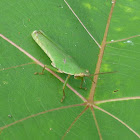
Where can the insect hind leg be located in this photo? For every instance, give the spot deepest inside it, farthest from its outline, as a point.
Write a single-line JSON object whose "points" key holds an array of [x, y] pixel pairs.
{"points": [[64, 85], [40, 73], [46, 66]]}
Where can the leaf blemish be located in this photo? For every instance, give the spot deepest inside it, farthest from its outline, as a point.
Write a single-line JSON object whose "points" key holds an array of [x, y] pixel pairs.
{"points": [[115, 91], [64, 61]]}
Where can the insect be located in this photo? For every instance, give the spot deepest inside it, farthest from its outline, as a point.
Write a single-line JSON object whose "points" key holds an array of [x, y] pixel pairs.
{"points": [[61, 61]]}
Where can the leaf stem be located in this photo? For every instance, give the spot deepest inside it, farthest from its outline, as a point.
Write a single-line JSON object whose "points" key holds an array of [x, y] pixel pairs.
{"points": [[117, 120], [122, 39], [40, 113], [92, 91], [97, 126], [75, 121], [118, 99], [82, 24]]}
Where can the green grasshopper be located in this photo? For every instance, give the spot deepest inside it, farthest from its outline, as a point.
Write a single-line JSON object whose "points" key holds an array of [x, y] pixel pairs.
{"points": [[61, 61]]}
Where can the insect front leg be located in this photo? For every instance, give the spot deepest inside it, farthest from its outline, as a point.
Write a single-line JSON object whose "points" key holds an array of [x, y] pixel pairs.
{"points": [[81, 85], [64, 85], [82, 80]]}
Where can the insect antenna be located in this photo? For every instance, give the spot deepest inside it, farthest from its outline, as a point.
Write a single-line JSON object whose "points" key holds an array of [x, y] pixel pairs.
{"points": [[103, 73], [91, 79]]}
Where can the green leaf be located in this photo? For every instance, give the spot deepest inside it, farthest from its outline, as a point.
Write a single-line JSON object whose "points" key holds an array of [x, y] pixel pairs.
{"points": [[23, 94]]}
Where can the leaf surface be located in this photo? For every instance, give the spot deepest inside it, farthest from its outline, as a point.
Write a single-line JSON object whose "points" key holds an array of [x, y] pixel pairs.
{"points": [[23, 94]]}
